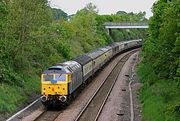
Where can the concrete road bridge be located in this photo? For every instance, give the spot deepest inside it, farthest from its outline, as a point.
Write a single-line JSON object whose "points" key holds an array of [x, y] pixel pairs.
{"points": [[125, 25]]}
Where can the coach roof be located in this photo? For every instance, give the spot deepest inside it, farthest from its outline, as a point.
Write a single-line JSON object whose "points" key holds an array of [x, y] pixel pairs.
{"points": [[83, 59]]}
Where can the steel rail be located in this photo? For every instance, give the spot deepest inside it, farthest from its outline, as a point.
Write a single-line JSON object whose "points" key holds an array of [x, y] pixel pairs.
{"points": [[47, 116], [130, 91], [19, 112], [104, 102], [101, 85]]}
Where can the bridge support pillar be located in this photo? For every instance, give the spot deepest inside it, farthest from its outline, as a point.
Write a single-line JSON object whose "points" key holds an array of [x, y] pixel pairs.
{"points": [[109, 31]]}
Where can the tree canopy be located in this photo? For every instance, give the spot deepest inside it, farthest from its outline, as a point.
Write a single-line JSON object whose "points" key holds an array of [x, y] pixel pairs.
{"points": [[160, 68]]}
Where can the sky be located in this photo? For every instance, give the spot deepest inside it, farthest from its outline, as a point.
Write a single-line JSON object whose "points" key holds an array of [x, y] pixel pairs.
{"points": [[105, 6]]}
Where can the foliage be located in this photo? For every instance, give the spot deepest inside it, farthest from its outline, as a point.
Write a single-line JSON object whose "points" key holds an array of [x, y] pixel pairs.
{"points": [[64, 49], [132, 17], [35, 36], [159, 69], [59, 14], [3, 17], [124, 34], [13, 96]]}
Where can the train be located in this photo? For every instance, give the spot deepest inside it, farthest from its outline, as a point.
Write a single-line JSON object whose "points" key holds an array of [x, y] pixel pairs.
{"points": [[61, 82]]}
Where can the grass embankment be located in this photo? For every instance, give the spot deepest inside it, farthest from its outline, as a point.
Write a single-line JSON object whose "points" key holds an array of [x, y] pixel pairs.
{"points": [[13, 96], [159, 99]]}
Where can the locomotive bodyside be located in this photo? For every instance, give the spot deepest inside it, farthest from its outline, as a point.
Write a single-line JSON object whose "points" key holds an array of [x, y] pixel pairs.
{"points": [[76, 76]]}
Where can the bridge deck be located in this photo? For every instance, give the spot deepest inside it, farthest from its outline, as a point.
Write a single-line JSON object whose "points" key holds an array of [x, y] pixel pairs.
{"points": [[109, 25]]}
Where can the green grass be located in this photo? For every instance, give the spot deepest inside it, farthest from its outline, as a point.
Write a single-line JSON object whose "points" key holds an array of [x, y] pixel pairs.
{"points": [[160, 98], [13, 96]]}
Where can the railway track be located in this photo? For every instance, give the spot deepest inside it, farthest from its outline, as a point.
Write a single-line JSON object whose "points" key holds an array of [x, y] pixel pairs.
{"points": [[94, 106], [48, 115]]}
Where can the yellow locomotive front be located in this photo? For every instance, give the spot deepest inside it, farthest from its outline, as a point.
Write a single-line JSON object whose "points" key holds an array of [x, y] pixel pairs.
{"points": [[54, 86]]}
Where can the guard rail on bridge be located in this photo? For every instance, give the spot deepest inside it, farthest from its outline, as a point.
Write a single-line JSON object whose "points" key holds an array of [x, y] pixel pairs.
{"points": [[125, 25]]}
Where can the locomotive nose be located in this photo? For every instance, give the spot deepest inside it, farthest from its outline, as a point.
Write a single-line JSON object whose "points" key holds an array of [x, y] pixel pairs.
{"points": [[44, 98]]}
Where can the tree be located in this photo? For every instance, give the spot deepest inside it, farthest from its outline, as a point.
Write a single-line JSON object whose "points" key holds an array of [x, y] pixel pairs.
{"points": [[59, 14], [3, 18], [161, 60], [25, 17], [91, 8]]}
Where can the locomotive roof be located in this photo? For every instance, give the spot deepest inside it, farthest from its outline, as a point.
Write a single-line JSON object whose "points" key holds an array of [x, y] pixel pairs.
{"points": [[57, 69], [83, 59]]}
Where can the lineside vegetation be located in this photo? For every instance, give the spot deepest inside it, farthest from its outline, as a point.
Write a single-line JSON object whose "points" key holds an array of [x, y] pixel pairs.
{"points": [[160, 67], [34, 36]]}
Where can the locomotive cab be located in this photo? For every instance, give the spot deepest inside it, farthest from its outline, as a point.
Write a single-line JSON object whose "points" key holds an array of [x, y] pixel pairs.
{"points": [[54, 85]]}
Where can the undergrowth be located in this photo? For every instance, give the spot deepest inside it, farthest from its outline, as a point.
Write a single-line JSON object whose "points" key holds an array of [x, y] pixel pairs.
{"points": [[13, 96], [160, 97]]}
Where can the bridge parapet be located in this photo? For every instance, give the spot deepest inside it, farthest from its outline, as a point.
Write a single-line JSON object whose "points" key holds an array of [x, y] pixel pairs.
{"points": [[126, 25]]}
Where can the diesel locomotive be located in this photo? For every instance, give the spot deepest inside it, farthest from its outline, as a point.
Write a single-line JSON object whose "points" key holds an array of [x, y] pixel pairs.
{"points": [[59, 83]]}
